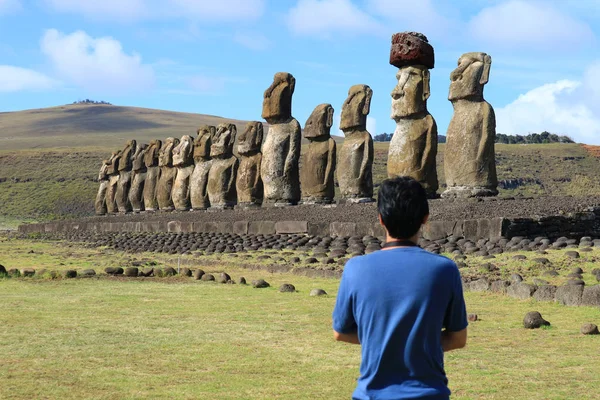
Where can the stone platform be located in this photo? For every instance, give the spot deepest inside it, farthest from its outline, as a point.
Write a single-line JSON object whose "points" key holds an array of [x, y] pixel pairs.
{"points": [[550, 217]]}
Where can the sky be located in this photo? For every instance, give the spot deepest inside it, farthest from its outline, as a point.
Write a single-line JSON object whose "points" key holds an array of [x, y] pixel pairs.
{"points": [[217, 57]]}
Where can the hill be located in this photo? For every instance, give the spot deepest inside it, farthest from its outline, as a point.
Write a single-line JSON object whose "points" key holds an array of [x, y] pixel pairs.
{"points": [[49, 158]]}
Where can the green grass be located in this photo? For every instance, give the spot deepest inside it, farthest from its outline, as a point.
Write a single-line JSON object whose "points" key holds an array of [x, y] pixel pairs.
{"points": [[177, 338]]}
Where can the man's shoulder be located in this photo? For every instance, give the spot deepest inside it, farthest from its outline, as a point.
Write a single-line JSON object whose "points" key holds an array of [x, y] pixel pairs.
{"points": [[372, 259]]}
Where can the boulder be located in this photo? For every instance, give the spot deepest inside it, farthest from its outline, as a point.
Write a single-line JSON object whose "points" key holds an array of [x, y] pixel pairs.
{"points": [[224, 278], [70, 273], [516, 278], [318, 292], [198, 274], [186, 272], [589, 329], [521, 290], [88, 273], [260, 283], [287, 288], [545, 293], [28, 272], [131, 272], [2, 270], [572, 254], [480, 285], [499, 286], [147, 272], [114, 270], [208, 277], [591, 296], [15, 273], [243, 281], [569, 295], [169, 271], [534, 320]]}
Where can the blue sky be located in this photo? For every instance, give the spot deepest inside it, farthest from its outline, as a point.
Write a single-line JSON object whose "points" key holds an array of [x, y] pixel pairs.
{"points": [[217, 57]]}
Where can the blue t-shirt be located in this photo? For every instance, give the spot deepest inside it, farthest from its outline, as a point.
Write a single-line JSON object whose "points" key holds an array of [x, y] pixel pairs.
{"points": [[398, 301]]}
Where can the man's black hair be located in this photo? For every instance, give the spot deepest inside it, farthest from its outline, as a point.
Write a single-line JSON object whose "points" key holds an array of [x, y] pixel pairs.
{"points": [[402, 203]]}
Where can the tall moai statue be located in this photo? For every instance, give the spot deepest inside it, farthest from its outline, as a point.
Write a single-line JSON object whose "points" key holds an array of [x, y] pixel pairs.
{"points": [[125, 167], [183, 160], [152, 175], [100, 204], [319, 159], [413, 148], [355, 168], [113, 181], [202, 161], [469, 156], [281, 150], [249, 184], [167, 175], [223, 171], [136, 193]]}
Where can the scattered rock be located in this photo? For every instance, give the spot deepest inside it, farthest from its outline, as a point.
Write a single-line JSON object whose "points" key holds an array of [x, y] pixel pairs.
{"points": [[287, 288], [479, 285], [70, 273], [208, 277], [318, 292], [224, 278], [521, 290], [114, 270], [131, 272], [499, 286], [147, 272], [534, 320], [243, 281], [28, 272], [589, 329], [516, 278], [545, 293], [198, 274], [572, 254], [186, 272], [569, 295], [88, 273], [472, 317], [577, 270], [169, 271], [260, 283], [519, 257]]}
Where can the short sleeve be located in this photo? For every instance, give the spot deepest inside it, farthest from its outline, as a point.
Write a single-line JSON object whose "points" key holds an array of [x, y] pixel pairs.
{"points": [[455, 319], [343, 314]]}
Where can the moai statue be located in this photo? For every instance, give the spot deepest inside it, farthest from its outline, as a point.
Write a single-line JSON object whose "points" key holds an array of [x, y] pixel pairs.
{"points": [[249, 184], [100, 204], [113, 181], [469, 157], [279, 168], [319, 159], [413, 148], [167, 175], [152, 175], [136, 193], [202, 161], [183, 160], [354, 172], [223, 171], [125, 166]]}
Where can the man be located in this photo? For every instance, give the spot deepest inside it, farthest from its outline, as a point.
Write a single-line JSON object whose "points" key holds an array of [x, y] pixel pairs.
{"points": [[403, 304]]}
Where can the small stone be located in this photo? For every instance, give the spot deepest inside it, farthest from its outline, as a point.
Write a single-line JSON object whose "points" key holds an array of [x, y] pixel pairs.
{"points": [[472, 317], [534, 320], [224, 278], [243, 281], [70, 273], [572, 254], [287, 288], [260, 283], [589, 329], [318, 292], [28, 272]]}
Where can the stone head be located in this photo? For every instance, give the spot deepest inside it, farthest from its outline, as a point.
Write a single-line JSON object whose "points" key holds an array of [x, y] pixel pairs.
{"points": [[277, 103], [223, 141], [165, 156], [356, 108], [320, 122], [410, 95], [182, 153], [468, 79], [203, 142], [138, 157], [152, 152], [251, 139]]}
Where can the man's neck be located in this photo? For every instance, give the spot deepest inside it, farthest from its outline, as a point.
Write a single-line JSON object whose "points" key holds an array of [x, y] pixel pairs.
{"points": [[414, 239]]}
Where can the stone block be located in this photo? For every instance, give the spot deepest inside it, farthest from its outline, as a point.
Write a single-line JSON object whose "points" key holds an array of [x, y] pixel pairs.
{"points": [[318, 229], [240, 227], [261, 228], [521, 290], [435, 230], [470, 229], [154, 226], [370, 229], [342, 229], [545, 293], [569, 295], [290, 227], [591, 296]]}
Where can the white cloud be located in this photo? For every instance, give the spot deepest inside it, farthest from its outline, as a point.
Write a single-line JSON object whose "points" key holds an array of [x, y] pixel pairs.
{"points": [[97, 65], [528, 25], [565, 107], [8, 6], [322, 18], [372, 126], [205, 10], [17, 79], [253, 41]]}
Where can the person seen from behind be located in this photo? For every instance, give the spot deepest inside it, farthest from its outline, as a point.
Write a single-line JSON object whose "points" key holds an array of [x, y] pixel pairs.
{"points": [[403, 305]]}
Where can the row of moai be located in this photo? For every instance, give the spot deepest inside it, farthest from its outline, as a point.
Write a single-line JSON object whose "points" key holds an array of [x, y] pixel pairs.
{"points": [[203, 173]]}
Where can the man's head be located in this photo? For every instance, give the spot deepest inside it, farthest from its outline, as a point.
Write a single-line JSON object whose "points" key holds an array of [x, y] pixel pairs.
{"points": [[403, 207]]}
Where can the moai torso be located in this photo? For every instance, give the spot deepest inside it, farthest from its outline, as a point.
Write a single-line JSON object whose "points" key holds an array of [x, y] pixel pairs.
{"points": [[167, 175], [152, 175], [183, 160], [136, 193], [222, 174], [469, 160], [281, 148], [249, 184], [202, 162], [319, 159], [113, 180], [413, 147], [100, 203], [355, 163]]}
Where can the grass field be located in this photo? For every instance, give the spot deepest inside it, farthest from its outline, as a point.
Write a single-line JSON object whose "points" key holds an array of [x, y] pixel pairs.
{"points": [[175, 338]]}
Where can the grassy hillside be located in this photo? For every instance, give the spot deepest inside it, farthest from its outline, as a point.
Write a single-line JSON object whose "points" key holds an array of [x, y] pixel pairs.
{"points": [[49, 158]]}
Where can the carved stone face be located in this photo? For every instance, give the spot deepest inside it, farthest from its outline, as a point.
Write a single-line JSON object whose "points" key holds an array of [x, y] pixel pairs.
{"points": [[152, 152], [412, 91], [251, 139], [203, 142], [182, 153], [277, 103], [223, 142], [320, 122], [138, 157], [468, 79], [356, 108], [165, 157]]}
